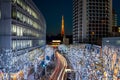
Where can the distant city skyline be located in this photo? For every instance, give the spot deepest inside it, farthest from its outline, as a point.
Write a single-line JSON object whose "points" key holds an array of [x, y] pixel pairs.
{"points": [[53, 10]]}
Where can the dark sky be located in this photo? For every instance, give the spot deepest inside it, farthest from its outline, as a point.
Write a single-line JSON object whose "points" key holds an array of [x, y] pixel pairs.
{"points": [[54, 9]]}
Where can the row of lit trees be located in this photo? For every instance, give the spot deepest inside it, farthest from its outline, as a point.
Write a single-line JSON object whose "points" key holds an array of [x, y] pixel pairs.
{"points": [[104, 65], [11, 63]]}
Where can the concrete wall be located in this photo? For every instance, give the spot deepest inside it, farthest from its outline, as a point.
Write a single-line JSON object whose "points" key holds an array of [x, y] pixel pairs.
{"points": [[5, 24]]}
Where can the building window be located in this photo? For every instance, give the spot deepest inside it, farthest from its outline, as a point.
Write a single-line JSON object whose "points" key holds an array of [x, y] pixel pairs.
{"points": [[41, 42], [14, 45], [20, 44], [20, 31], [14, 14], [14, 30], [27, 20], [14, 1], [27, 8]]}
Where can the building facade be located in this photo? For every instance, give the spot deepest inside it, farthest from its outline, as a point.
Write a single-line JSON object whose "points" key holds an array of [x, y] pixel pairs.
{"points": [[23, 27], [114, 18], [115, 27], [92, 20]]}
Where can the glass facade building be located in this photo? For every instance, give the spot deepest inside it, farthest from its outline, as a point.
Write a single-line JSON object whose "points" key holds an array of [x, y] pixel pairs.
{"points": [[22, 27], [92, 20], [114, 18]]}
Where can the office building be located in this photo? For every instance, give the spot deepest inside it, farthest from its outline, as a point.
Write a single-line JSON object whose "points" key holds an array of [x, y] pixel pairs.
{"points": [[114, 18], [115, 27], [22, 26], [92, 20]]}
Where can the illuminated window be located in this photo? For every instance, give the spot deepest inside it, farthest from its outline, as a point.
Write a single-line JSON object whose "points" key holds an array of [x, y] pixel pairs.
{"points": [[13, 14], [41, 42], [25, 7], [14, 45], [20, 44], [19, 31], [13, 30], [119, 29], [14, 1], [18, 1], [29, 21]]}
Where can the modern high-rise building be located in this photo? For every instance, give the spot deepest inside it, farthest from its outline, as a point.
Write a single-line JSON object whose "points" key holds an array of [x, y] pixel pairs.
{"points": [[115, 27], [22, 26], [92, 20], [114, 18]]}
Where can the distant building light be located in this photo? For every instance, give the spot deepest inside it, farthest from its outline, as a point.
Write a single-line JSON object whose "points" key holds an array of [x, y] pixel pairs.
{"points": [[118, 42], [119, 29], [56, 41], [93, 33], [107, 41]]}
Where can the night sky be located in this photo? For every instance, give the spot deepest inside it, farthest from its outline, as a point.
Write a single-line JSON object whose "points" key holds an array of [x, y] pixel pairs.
{"points": [[54, 9]]}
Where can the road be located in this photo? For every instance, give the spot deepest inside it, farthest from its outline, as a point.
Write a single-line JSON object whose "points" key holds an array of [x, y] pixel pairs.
{"points": [[61, 66]]}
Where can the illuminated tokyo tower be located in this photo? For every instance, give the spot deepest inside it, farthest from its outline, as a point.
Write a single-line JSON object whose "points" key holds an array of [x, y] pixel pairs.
{"points": [[62, 27]]}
